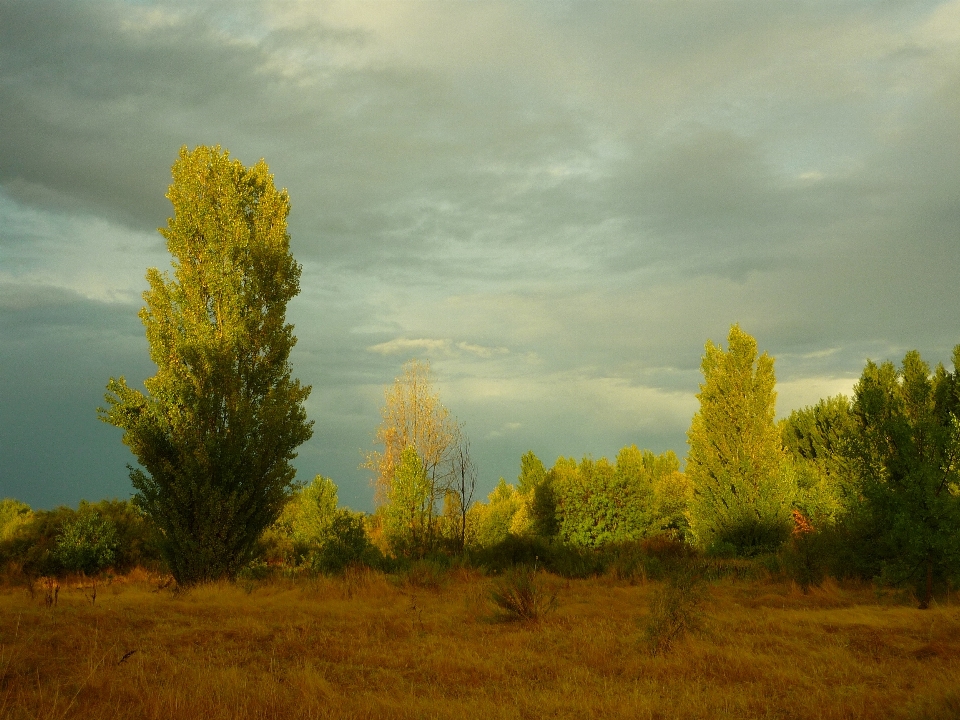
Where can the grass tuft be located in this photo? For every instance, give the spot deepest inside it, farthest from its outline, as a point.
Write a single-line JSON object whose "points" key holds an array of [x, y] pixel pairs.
{"points": [[675, 609], [520, 594]]}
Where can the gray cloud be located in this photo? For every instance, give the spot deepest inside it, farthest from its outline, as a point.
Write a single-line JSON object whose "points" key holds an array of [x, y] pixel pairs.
{"points": [[555, 203]]}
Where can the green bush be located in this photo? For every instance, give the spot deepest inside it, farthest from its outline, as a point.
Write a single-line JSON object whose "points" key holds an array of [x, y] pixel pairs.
{"points": [[552, 555], [343, 543], [86, 544], [137, 538], [750, 537], [45, 542], [13, 514], [31, 546]]}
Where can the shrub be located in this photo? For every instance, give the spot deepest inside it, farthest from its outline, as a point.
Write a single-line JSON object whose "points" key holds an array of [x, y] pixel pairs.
{"points": [[31, 545], [675, 609], [520, 595], [36, 544], [553, 555], [137, 537], [750, 537], [426, 574], [344, 542], [87, 544]]}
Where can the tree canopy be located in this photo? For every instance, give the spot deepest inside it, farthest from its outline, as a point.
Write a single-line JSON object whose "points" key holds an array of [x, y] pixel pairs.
{"points": [[906, 450], [217, 428], [735, 463]]}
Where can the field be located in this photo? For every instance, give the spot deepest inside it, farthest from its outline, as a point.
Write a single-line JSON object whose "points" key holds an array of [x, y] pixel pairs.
{"points": [[372, 646]]}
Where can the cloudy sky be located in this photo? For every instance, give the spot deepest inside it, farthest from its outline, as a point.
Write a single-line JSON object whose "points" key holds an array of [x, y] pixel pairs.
{"points": [[555, 203]]}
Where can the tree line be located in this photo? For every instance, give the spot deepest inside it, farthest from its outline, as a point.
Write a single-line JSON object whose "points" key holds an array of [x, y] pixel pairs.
{"points": [[867, 485]]}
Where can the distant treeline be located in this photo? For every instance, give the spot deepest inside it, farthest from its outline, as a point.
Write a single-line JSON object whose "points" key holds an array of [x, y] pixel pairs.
{"points": [[865, 487]]}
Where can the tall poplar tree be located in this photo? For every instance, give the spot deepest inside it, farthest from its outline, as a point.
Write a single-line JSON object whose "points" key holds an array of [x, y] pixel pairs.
{"points": [[741, 495], [216, 431]]}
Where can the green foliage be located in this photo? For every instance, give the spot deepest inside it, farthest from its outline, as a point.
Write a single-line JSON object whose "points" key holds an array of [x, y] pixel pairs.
{"points": [[550, 554], [543, 509], [594, 503], [407, 515], [216, 431], [521, 594], [13, 515], [137, 537], [308, 515], [589, 510], [532, 473], [87, 544], [504, 513], [816, 439], [343, 543], [907, 453], [32, 543], [312, 532], [40, 544], [742, 493]]}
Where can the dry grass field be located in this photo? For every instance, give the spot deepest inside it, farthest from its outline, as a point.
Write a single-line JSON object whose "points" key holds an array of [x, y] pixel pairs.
{"points": [[370, 647]]}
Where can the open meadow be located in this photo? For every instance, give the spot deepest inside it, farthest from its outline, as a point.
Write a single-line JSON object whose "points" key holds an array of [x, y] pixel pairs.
{"points": [[370, 645]]}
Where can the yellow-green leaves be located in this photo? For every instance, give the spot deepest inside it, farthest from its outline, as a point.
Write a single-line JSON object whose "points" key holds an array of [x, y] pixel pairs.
{"points": [[741, 494], [216, 431]]}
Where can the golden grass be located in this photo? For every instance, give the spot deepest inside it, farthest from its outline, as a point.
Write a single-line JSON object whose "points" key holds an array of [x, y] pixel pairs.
{"points": [[367, 647]]}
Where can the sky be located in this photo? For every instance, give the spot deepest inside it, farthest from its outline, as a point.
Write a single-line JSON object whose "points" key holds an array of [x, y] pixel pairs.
{"points": [[554, 203]]}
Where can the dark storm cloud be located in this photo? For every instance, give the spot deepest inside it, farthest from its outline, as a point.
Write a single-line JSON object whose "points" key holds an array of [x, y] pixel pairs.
{"points": [[57, 350], [555, 203], [103, 95]]}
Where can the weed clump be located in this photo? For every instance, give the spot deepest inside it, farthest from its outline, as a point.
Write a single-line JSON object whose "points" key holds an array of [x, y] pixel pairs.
{"points": [[520, 594], [425, 574], [675, 609]]}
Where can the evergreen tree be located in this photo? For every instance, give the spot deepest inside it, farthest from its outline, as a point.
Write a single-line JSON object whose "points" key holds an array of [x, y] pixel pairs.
{"points": [[217, 428], [741, 494]]}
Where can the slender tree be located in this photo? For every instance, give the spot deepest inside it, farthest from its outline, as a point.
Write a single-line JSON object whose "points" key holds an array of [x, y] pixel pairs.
{"points": [[216, 431], [464, 485], [413, 417], [741, 494]]}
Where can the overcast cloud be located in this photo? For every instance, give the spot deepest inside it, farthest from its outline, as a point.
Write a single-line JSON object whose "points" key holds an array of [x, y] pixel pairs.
{"points": [[555, 203]]}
